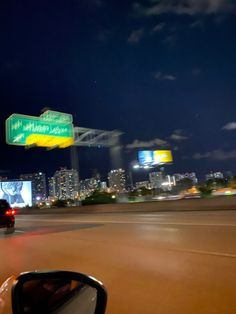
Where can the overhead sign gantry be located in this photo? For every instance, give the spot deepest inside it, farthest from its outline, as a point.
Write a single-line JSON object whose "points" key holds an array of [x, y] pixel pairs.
{"points": [[53, 129]]}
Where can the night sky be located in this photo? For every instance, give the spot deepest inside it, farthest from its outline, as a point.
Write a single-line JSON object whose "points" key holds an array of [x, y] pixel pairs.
{"points": [[162, 72]]}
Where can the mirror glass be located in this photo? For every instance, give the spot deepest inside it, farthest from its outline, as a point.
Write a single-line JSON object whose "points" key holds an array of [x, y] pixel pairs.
{"points": [[57, 295]]}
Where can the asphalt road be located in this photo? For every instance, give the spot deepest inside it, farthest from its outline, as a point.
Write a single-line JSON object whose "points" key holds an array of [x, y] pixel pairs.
{"points": [[181, 262]]}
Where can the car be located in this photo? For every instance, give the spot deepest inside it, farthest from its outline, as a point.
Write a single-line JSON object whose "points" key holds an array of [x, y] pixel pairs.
{"points": [[7, 216]]}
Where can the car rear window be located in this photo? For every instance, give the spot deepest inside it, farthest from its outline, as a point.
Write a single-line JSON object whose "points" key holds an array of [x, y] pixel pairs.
{"points": [[4, 204]]}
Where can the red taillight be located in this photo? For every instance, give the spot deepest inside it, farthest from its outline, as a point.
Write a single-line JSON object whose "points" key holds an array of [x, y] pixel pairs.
{"points": [[10, 212]]}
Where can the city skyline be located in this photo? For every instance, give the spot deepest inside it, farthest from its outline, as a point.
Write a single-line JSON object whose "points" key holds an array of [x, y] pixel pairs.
{"points": [[140, 176], [163, 74], [65, 185]]}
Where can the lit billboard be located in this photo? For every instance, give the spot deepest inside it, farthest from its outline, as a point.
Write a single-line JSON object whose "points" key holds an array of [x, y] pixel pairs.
{"points": [[154, 157], [145, 157], [17, 193], [162, 157]]}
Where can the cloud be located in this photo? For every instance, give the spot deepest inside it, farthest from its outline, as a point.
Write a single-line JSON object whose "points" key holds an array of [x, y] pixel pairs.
{"points": [[164, 77], [177, 135], [229, 126], [170, 40], [145, 144], [201, 156], [219, 19], [217, 154], [186, 7], [159, 27], [197, 24], [136, 36]]}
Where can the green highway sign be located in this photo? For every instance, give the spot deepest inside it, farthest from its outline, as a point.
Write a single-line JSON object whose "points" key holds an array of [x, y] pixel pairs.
{"points": [[55, 116], [27, 130]]}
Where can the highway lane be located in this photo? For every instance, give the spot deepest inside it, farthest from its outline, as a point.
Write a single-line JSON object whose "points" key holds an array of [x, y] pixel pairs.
{"points": [[181, 262]]}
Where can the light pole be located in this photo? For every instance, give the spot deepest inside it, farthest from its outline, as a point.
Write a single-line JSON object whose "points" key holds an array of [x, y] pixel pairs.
{"points": [[133, 166]]}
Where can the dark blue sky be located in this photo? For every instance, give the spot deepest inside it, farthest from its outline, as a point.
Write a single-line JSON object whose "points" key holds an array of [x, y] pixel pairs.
{"points": [[163, 72]]}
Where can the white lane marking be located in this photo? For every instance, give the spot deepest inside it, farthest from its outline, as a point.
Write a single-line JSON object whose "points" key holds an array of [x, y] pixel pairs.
{"points": [[129, 222], [19, 231], [213, 253]]}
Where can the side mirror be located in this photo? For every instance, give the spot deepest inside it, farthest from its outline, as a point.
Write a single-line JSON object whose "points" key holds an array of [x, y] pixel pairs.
{"points": [[59, 292]]}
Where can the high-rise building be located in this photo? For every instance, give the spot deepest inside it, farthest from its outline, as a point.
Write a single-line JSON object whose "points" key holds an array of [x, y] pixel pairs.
{"points": [[92, 184], [214, 175], [88, 186], [156, 179], [142, 184], [168, 183], [65, 184], [103, 186], [51, 187], [117, 180], [188, 175], [39, 189]]}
